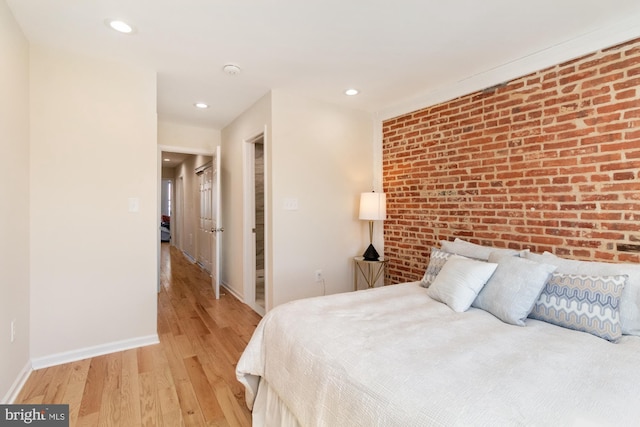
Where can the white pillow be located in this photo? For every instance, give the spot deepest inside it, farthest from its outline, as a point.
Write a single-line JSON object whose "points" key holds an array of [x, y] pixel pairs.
{"points": [[630, 298], [473, 250], [436, 262], [513, 289], [459, 282]]}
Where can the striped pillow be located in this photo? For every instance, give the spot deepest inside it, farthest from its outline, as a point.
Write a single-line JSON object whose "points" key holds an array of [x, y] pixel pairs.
{"points": [[436, 261], [583, 303]]}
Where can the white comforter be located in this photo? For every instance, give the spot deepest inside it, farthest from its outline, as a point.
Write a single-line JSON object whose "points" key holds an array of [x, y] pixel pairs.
{"points": [[394, 357]]}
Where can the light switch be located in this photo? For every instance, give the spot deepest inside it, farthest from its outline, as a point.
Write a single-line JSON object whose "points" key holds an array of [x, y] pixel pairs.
{"points": [[290, 204], [134, 204]]}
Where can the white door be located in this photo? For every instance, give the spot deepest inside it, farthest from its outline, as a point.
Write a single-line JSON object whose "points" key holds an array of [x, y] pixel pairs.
{"points": [[205, 223], [216, 222]]}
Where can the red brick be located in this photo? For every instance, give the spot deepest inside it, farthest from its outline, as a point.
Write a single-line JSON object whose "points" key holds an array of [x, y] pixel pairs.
{"points": [[599, 61], [602, 80], [550, 161]]}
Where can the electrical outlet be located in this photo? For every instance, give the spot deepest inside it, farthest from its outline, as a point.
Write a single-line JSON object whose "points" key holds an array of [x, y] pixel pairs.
{"points": [[318, 275], [13, 330]]}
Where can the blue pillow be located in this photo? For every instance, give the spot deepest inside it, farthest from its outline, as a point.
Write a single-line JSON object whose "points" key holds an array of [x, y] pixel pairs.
{"points": [[513, 289]]}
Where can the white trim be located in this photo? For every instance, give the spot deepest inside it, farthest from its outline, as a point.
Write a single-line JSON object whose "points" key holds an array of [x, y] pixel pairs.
{"points": [[248, 238], [268, 262], [377, 176], [377, 153], [231, 291], [158, 220], [17, 385], [239, 297], [98, 350], [554, 55], [184, 150], [248, 247]]}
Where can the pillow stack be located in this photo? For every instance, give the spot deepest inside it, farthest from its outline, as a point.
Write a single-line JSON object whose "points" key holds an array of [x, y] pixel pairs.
{"points": [[602, 299]]}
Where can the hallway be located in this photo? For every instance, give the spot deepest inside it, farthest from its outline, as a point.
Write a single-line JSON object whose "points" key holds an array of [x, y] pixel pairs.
{"points": [[188, 379]]}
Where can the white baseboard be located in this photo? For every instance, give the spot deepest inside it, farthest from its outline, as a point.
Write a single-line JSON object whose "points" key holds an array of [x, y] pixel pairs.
{"points": [[231, 291], [98, 350], [17, 385], [188, 256], [256, 308]]}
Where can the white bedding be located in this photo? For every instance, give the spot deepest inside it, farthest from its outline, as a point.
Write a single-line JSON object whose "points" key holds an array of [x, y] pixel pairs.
{"points": [[394, 357]]}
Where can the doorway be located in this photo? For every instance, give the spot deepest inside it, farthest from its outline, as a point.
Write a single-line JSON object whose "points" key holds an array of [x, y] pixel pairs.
{"points": [[166, 208], [180, 208], [258, 160], [255, 219]]}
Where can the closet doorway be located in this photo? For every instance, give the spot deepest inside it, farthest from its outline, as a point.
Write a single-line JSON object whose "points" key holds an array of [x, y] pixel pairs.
{"points": [[256, 270]]}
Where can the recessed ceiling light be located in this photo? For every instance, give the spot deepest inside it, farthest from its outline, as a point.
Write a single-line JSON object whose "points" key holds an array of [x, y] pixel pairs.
{"points": [[120, 26], [351, 92], [231, 69], [201, 105], [167, 160]]}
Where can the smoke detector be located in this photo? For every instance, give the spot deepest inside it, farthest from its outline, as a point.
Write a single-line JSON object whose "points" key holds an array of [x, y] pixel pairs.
{"points": [[231, 69]]}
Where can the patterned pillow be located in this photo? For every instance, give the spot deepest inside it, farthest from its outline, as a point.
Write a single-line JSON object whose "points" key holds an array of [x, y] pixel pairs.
{"points": [[436, 261], [630, 299], [583, 303]]}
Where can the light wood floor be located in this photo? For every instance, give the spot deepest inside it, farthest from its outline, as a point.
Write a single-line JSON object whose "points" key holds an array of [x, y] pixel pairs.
{"points": [[188, 379]]}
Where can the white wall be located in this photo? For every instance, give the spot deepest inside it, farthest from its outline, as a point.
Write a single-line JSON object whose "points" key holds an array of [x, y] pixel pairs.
{"points": [[93, 263], [322, 155], [14, 191], [249, 124], [319, 154], [168, 173], [187, 137]]}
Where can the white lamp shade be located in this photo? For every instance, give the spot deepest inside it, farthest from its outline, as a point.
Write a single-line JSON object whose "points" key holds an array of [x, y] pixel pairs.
{"points": [[373, 206]]}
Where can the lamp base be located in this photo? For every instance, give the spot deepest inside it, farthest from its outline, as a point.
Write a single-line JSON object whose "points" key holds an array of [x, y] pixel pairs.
{"points": [[371, 254]]}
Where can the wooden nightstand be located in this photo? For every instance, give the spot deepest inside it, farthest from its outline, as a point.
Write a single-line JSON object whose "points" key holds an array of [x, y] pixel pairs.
{"points": [[371, 271]]}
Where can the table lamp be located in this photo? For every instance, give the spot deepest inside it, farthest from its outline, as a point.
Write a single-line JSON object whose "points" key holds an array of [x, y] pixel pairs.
{"points": [[373, 207]]}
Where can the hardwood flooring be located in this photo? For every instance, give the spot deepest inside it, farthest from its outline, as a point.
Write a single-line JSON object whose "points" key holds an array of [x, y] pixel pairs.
{"points": [[188, 379]]}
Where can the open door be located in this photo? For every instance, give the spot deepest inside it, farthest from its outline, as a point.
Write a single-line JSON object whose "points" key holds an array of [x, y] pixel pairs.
{"points": [[216, 226]]}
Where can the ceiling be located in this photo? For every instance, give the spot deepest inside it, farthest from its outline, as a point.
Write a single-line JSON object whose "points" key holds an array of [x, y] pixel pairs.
{"points": [[171, 160], [391, 51]]}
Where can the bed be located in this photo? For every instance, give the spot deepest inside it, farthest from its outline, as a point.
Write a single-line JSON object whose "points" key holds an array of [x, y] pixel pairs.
{"points": [[404, 355]]}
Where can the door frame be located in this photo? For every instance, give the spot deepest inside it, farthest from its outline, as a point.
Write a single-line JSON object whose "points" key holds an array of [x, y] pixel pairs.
{"points": [[248, 170], [169, 149], [217, 227]]}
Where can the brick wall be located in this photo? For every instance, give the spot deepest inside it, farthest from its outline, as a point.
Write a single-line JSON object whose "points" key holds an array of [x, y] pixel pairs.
{"points": [[549, 162]]}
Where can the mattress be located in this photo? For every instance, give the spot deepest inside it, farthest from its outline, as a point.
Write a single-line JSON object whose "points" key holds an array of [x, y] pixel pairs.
{"points": [[392, 356]]}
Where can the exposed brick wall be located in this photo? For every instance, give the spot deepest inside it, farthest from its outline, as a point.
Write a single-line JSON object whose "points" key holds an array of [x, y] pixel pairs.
{"points": [[549, 162]]}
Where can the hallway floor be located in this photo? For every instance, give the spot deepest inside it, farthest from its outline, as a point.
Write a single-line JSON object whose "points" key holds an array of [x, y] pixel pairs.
{"points": [[188, 379]]}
